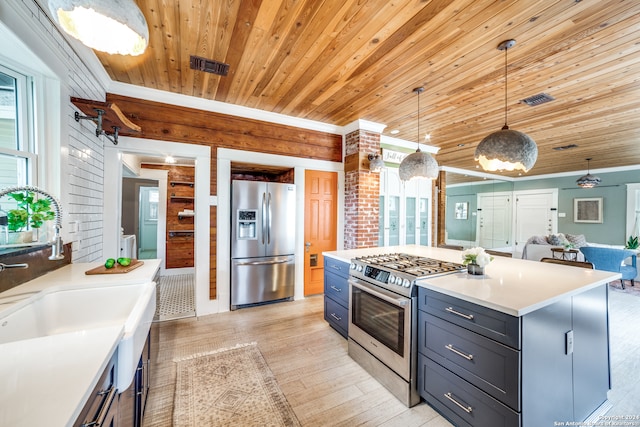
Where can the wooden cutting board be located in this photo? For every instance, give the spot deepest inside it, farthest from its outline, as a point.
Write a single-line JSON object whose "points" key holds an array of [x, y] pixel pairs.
{"points": [[117, 269]]}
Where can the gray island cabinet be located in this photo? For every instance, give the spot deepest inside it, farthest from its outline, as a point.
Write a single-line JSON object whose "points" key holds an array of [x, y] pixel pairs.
{"points": [[480, 367], [524, 345]]}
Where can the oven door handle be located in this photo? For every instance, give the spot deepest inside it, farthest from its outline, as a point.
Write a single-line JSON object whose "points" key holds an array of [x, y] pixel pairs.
{"points": [[399, 302]]}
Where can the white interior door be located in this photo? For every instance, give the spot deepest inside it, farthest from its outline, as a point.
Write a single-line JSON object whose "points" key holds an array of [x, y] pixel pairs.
{"points": [[494, 221], [536, 214]]}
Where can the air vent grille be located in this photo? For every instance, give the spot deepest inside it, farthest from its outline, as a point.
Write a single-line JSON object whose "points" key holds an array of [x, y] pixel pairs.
{"points": [[208, 65], [565, 147], [538, 99]]}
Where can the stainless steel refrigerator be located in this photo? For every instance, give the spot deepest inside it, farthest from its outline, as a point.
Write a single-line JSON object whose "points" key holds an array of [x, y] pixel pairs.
{"points": [[262, 242]]}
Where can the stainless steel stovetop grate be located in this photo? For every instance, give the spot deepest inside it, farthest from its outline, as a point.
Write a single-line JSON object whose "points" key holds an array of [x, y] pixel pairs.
{"points": [[411, 264]]}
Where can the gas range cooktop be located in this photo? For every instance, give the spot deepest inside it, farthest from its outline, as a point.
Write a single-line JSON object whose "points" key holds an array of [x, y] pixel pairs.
{"points": [[398, 271]]}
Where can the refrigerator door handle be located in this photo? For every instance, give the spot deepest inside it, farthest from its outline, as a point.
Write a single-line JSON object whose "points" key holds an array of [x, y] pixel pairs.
{"points": [[269, 219], [264, 218], [275, 261]]}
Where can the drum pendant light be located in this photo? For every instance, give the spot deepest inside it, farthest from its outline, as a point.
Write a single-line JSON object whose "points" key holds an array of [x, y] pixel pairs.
{"points": [[588, 180], [506, 149], [418, 164], [111, 26]]}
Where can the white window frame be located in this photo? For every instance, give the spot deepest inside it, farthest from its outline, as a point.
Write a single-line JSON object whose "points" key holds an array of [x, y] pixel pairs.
{"points": [[26, 147]]}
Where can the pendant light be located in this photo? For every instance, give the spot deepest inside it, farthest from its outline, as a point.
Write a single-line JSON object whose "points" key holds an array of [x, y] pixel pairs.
{"points": [[506, 149], [418, 164], [111, 26], [588, 180]]}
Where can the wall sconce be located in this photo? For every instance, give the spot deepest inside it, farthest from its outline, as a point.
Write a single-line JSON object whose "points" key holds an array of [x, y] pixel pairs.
{"points": [[376, 164]]}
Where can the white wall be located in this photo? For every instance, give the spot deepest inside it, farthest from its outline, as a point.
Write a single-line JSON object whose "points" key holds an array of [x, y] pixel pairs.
{"points": [[73, 155]]}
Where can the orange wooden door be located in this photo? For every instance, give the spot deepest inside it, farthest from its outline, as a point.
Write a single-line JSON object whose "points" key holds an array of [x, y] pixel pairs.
{"points": [[320, 226]]}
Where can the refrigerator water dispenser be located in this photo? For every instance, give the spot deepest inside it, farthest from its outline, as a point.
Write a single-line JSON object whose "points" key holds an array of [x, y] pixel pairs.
{"points": [[247, 219]]}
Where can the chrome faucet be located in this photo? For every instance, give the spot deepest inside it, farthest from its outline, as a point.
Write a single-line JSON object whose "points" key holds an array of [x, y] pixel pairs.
{"points": [[56, 243]]}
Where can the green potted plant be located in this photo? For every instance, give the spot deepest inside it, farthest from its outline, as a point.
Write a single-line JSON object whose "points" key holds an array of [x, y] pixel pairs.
{"points": [[632, 243], [29, 214]]}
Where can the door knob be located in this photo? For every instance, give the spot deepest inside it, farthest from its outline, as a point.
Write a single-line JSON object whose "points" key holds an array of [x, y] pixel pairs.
{"points": [[306, 246]]}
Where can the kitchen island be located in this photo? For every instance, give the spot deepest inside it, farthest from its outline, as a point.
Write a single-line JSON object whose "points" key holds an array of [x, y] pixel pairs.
{"points": [[50, 369], [526, 344]]}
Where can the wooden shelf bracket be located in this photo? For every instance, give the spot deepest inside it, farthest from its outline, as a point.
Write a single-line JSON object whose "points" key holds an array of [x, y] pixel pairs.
{"points": [[107, 114]]}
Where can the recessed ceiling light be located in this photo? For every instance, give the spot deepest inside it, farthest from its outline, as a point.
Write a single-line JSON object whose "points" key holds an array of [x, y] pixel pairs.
{"points": [[394, 132], [460, 145], [169, 159]]}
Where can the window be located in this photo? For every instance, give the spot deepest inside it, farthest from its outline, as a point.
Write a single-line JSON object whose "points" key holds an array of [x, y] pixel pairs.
{"points": [[17, 149]]}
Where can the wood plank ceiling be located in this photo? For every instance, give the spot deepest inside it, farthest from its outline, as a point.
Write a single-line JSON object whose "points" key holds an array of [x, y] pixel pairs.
{"points": [[336, 61]]}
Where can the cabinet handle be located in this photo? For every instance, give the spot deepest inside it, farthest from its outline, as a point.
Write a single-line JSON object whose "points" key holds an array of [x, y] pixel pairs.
{"points": [[104, 410], [458, 352], [335, 267], [452, 311], [336, 289], [338, 318], [468, 409]]}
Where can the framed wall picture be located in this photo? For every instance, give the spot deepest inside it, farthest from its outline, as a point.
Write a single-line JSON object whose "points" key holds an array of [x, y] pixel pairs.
{"points": [[461, 210], [587, 210]]}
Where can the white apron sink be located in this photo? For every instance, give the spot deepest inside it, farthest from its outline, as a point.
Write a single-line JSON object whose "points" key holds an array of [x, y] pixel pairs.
{"points": [[64, 310]]}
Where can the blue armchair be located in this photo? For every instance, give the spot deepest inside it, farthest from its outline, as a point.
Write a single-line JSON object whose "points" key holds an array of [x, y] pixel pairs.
{"points": [[610, 259]]}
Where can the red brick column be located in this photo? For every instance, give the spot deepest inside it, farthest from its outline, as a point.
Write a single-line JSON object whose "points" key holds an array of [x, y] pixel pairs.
{"points": [[362, 190]]}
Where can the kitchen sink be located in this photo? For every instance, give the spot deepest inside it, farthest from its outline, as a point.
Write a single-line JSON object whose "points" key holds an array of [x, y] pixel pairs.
{"points": [[72, 309]]}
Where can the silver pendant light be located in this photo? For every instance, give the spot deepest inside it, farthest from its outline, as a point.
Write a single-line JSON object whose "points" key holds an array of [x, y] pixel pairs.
{"points": [[588, 180], [506, 149], [111, 26], [418, 164]]}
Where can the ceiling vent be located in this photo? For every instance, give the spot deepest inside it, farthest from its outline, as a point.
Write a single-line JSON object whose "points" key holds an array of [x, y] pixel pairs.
{"points": [[538, 99], [565, 147], [208, 65]]}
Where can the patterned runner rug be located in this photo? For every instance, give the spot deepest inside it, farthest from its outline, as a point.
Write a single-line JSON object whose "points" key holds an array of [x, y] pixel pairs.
{"points": [[231, 387]]}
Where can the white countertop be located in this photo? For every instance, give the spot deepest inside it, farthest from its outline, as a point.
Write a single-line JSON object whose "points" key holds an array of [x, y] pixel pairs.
{"points": [[74, 275], [47, 380], [509, 285]]}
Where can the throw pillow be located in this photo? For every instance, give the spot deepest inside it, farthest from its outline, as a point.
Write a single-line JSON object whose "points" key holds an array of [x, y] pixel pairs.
{"points": [[578, 240], [557, 239], [539, 240]]}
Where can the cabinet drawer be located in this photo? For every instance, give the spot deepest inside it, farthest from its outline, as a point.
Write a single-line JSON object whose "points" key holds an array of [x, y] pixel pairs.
{"points": [[485, 321], [336, 315], [460, 401], [336, 287], [340, 268], [490, 366]]}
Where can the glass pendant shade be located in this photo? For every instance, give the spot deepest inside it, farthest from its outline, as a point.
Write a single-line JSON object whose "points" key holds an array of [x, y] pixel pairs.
{"points": [[588, 180], [507, 150], [111, 26], [418, 165]]}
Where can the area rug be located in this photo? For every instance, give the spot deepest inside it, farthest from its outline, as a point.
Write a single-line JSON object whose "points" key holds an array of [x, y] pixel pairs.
{"points": [[628, 289], [230, 387]]}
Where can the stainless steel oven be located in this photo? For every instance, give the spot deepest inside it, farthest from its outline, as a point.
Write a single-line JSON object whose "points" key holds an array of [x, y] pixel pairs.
{"points": [[382, 317], [381, 322]]}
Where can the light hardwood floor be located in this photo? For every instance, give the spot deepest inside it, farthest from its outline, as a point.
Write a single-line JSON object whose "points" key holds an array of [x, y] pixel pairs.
{"points": [[321, 382]]}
